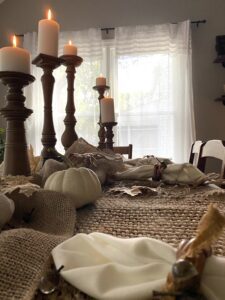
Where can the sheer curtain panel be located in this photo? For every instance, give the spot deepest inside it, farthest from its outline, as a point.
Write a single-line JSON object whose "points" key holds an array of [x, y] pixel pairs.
{"points": [[153, 89]]}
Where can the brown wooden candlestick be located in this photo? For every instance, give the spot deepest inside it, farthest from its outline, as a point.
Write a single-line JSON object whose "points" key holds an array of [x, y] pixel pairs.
{"points": [[109, 134], [48, 64], [101, 133], [70, 135], [16, 160]]}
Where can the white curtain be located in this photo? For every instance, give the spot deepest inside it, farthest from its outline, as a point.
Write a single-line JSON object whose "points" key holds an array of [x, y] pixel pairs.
{"points": [[153, 89], [149, 72]]}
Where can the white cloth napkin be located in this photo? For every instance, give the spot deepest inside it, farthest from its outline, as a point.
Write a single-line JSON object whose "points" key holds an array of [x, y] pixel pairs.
{"points": [[174, 174], [183, 174], [107, 267]]}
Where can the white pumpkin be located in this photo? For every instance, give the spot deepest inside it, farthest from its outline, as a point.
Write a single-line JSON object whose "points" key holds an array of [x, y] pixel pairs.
{"points": [[7, 208], [81, 184]]}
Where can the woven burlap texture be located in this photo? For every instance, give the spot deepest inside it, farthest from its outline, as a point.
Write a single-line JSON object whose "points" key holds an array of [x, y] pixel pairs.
{"points": [[171, 215], [24, 251]]}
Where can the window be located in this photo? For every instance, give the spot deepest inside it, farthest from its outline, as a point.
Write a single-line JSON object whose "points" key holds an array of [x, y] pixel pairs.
{"points": [[148, 69]]}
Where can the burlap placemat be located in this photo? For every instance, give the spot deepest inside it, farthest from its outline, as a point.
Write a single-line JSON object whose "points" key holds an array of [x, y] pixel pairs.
{"points": [[24, 251]]}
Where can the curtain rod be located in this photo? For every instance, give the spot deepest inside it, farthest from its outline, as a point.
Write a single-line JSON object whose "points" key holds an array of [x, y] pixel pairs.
{"points": [[192, 22], [107, 29], [198, 22]]}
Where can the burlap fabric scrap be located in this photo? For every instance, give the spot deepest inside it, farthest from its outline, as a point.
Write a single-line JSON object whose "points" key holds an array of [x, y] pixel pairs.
{"points": [[25, 250]]}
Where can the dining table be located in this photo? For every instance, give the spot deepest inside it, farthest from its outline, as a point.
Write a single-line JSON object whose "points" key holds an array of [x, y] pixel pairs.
{"points": [[168, 213]]}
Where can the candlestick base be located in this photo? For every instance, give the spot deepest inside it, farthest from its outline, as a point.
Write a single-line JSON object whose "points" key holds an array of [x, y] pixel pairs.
{"points": [[48, 63], [71, 59], [101, 136], [70, 135], [43, 60], [16, 160], [101, 133], [109, 134], [101, 89]]}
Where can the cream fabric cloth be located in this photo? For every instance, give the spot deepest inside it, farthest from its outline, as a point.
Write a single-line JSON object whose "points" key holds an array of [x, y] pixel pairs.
{"points": [[173, 174], [107, 267]]}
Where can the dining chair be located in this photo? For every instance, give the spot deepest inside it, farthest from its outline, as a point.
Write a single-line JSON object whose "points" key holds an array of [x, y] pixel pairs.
{"points": [[212, 149], [195, 151], [127, 150]]}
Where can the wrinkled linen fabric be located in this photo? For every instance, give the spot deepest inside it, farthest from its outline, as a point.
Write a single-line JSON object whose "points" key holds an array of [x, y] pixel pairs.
{"points": [[183, 174], [140, 172], [173, 174], [111, 268], [82, 154], [148, 160]]}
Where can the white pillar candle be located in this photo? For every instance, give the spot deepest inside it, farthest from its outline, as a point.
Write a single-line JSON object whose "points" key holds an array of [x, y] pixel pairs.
{"points": [[100, 80], [69, 49], [14, 59], [48, 36], [107, 110]]}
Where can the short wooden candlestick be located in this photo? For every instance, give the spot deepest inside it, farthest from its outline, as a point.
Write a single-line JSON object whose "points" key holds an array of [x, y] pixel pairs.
{"points": [[70, 135], [101, 133], [16, 160], [109, 134], [48, 64]]}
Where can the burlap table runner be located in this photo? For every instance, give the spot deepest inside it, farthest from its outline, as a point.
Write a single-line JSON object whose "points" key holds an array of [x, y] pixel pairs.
{"points": [[25, 251], [171, 215]]}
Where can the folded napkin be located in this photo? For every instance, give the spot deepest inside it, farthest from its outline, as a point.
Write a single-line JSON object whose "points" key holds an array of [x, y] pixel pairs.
{"points": [[183, 174], [111, 268], [173, 174]]}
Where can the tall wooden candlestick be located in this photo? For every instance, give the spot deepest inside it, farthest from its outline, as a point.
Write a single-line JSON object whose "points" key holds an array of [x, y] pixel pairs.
{"points": [[109, 134], [16, 160], [70, 135], [48, 64], [101, 133]]}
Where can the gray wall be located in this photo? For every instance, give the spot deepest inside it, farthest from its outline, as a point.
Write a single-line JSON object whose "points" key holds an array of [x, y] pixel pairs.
{"points": [[22, 16]]}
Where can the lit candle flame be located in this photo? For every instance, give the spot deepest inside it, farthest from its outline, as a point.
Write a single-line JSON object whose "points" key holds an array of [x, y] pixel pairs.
{"points": [[49, 14], [101, 75], [70, 42], [14, 41]]}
